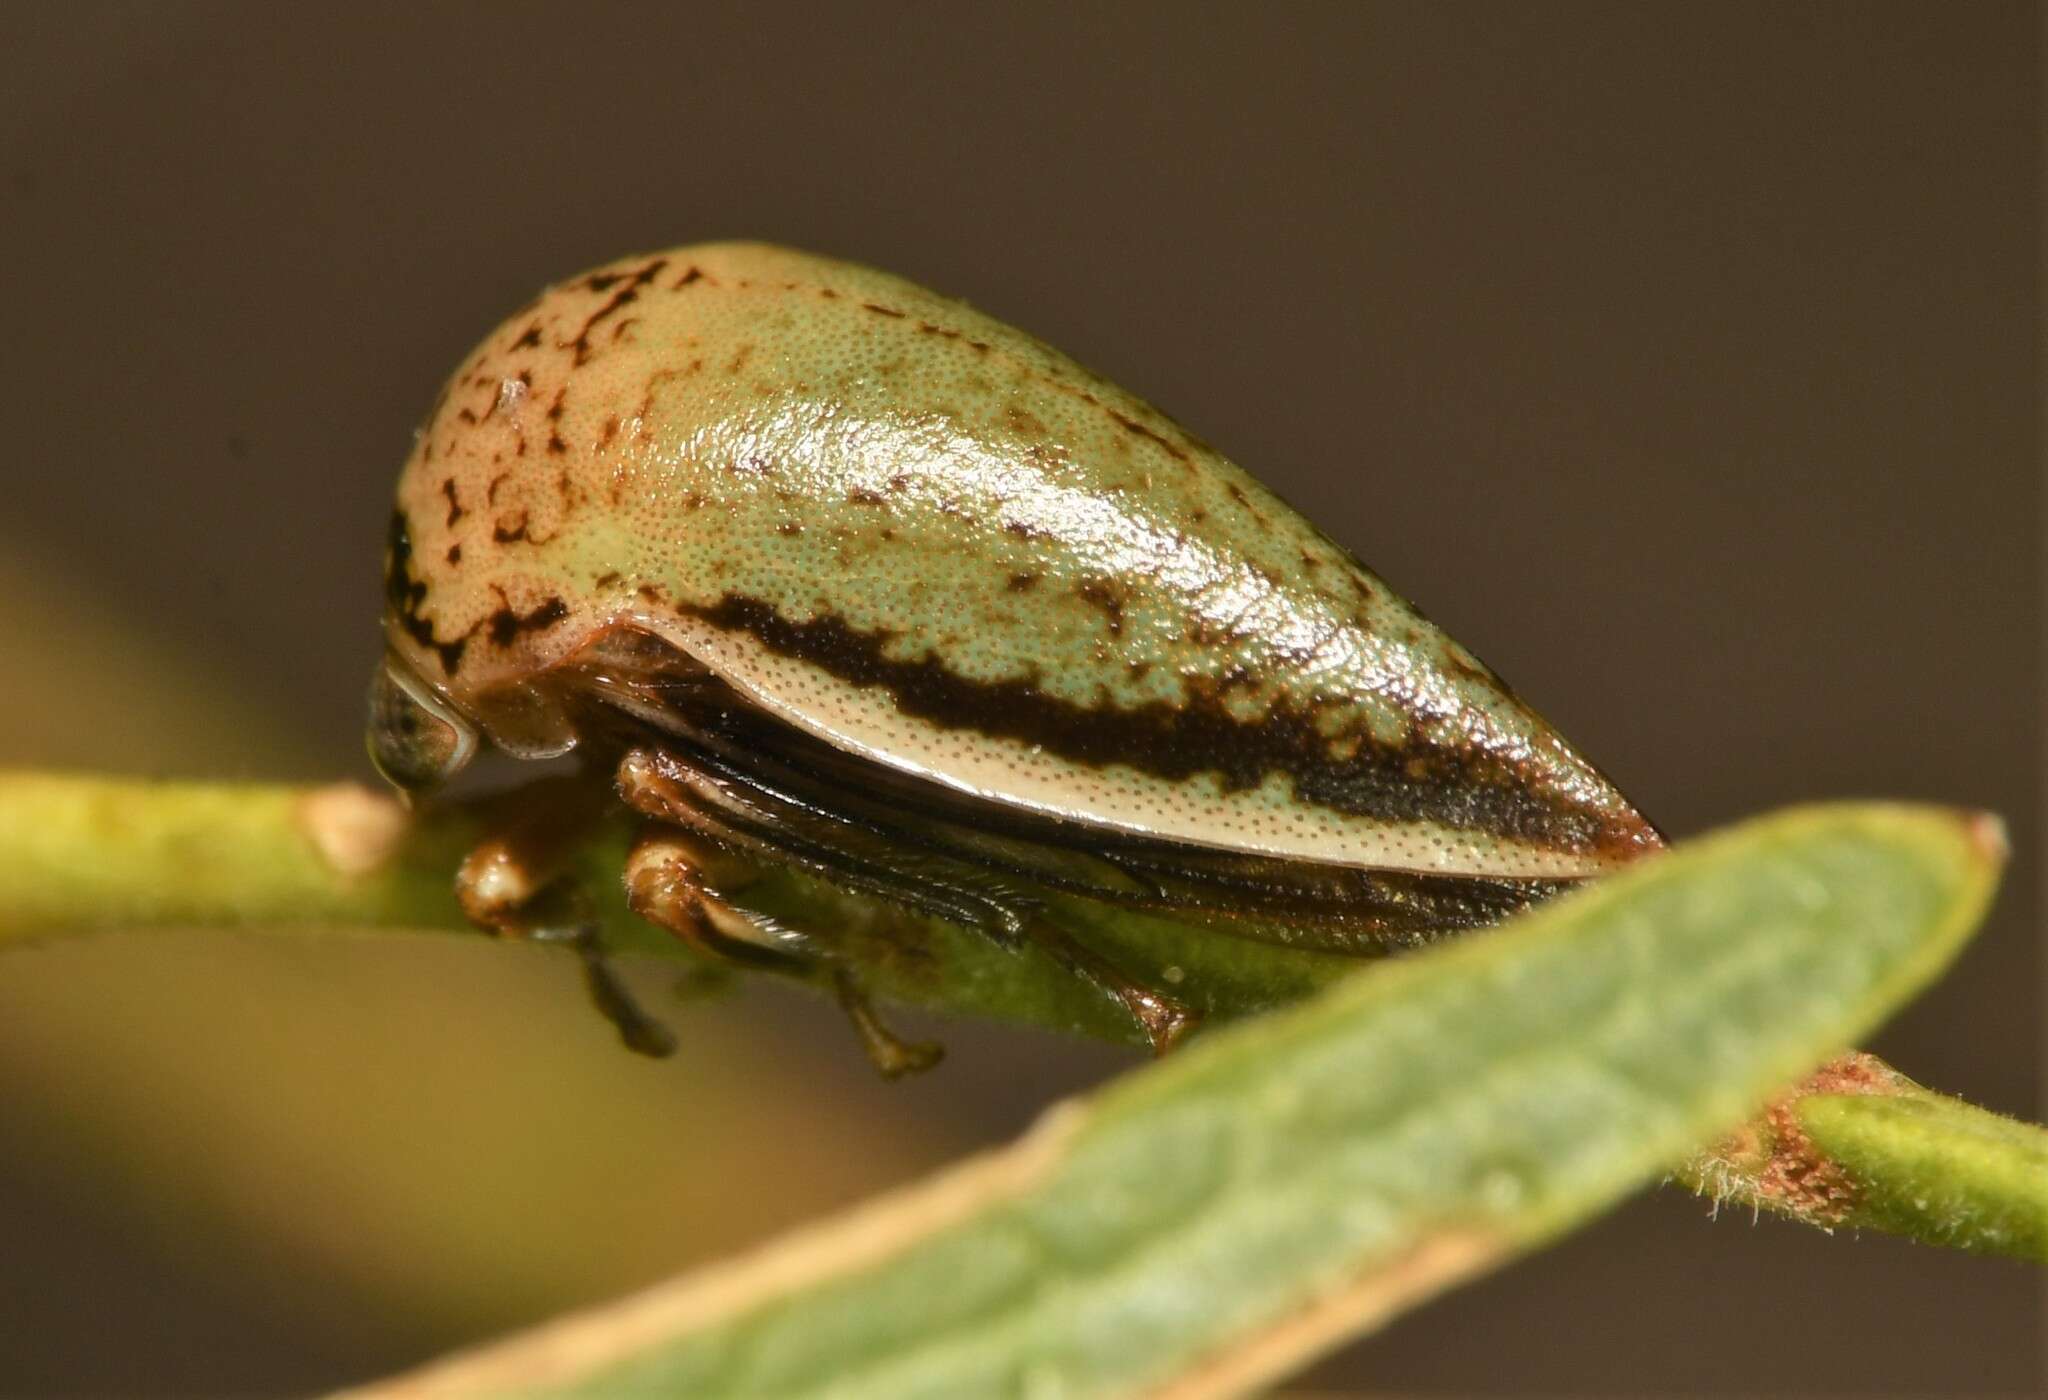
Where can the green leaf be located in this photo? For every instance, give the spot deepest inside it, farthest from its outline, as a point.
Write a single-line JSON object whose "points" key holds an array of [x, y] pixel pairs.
{"points": [[1212, 1221]]}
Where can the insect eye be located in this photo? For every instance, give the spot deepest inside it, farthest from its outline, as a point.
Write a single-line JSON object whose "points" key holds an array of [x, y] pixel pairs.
{"points": [[416, 741]]}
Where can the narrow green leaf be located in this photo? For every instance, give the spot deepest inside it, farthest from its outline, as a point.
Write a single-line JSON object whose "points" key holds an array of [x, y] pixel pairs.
{"points": [[1212, 1221]]}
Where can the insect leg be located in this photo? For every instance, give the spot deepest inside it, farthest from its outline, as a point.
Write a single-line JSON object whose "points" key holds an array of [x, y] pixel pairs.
{"points": [[530, 836], [511, 884], [674, 880], [1163, 1019], [889, 1053], [671, 787], [665, 785]]}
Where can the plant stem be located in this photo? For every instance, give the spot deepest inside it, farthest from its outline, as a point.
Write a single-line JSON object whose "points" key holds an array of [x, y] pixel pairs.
{"points": [[1857, 1145]]}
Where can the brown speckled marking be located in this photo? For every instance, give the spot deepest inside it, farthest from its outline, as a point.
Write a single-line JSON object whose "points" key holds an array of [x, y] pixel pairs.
{"points": [[1471, 668], [1108, 597], [948, 333], [1132, 425], [626, 295], [502, 533], [1025, 422], [405, 594], [506, 623]]}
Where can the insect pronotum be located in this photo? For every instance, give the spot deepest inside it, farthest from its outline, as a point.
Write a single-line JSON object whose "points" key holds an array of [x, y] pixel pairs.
{"points": [[809, 564]]}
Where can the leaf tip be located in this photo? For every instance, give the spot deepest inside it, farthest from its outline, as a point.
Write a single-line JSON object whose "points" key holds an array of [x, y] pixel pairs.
{"points": [[1987, 835]]}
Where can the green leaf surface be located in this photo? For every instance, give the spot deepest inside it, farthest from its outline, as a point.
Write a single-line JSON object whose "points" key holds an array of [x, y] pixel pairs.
{"points": [[1210, 1222]]}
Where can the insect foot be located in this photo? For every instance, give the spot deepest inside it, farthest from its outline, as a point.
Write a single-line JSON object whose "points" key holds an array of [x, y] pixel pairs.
{"points": [[1164, 1021], [666, 884], [890, 1054], [512, 884]]}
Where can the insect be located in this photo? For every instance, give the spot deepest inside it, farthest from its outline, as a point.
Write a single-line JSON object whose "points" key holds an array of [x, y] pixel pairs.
{"points": [[808, 564]]}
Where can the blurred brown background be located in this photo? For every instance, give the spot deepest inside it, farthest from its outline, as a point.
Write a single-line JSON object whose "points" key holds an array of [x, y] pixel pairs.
{"points": [[1679, 358]]}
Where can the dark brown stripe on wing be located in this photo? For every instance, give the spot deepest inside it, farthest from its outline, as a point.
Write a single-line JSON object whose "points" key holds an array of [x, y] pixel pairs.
{"points": [[1463, 788]]}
